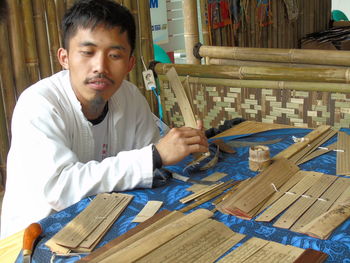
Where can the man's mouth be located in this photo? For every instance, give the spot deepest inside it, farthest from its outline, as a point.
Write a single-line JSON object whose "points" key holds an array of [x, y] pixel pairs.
{"points": [[99, 82]]}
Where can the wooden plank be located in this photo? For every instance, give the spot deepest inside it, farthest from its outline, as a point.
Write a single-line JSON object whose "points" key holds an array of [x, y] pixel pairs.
{"points": [[94, 238], [311, 255], [182, 99], [125, 236], [323, 226], [290, 197], [313, 145], [318, 152], [246, 250], [343, 157], [298, 146], [148, 243], [323, 203], [259, 189], [248, 127], [299, 207], [148, 211], [213, 178], [200, 193], [77, 230], [289, 184], [193, 243], [275, 252]]}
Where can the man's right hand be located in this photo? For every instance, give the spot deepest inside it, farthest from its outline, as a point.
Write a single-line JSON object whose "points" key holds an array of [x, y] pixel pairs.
{"points": [[180, 142]]}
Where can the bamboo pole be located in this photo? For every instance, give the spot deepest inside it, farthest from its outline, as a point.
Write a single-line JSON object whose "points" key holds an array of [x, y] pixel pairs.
{"points": [[4, 140], [145, 47], [42, 42], [60, 10], [17, 48], [304, 56], [261, 73], [205, 22], [53, 34], [191, 33], [247, 63], [267, 84], [7, 76], [31, 54]]}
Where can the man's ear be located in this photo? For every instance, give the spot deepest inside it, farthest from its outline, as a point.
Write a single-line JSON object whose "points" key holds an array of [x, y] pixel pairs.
{"points": [[132, 62], [62, 55]]}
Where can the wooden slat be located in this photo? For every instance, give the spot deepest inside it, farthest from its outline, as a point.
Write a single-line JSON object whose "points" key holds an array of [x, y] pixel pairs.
{"points": [[246, 250], [262, 187], [299, 207], [289, 184], [343, 157], [317, 153], [148, 211], [290, 197], [182, 100], [117, 246], [193, 243], [296, 147], [125, 236], [319, 207], [148, 243], [213, 178], [248, 127]]}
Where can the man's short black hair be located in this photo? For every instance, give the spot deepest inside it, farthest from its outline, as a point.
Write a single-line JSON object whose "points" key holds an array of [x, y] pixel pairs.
{"points": [[91, 13], [3, 10]]}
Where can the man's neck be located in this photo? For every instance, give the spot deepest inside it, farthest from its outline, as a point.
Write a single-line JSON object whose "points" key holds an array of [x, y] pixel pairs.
{"points": [[96, 119]]}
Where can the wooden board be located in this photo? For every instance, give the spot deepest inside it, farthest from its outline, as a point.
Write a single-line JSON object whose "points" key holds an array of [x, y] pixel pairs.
{"points": [[260, 188], [300, 206], [249, 127], [323, 204], [343, 157], [290, 197], [182, 100]]}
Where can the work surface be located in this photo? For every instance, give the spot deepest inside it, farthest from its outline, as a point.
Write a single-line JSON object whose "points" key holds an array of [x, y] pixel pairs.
{"points": [[236, 166]]}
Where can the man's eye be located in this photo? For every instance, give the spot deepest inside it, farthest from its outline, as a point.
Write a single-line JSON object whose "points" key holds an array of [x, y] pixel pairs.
{"points": [[86, 53], [115, 56]]}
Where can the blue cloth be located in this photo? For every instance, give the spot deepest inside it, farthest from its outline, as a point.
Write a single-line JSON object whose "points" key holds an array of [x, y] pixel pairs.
{"points": [[236, 166]]}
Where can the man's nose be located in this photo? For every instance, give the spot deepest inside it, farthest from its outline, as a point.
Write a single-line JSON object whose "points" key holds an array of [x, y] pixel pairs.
{"points": [[100, 63]]}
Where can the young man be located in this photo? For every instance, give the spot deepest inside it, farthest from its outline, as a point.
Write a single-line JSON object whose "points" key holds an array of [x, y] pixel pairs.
{"points": [[85, 130]]}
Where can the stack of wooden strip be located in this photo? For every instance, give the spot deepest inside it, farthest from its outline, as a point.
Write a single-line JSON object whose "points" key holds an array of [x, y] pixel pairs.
{"points": [[175, 237], [83, 233], [251, 196], [343, 154], [302, 198]]}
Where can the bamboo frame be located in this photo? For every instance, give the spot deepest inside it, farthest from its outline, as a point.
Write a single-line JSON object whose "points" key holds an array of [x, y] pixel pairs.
{"points": [[191, 32], [259, 73], [267, 84], [297, 56]]}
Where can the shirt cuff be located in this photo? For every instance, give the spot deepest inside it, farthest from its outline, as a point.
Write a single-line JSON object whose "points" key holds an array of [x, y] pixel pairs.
{"points": [[157, 160]]}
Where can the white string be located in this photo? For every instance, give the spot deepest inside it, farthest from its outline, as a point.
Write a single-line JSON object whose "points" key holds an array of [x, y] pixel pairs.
{"points": [[274, 187]]}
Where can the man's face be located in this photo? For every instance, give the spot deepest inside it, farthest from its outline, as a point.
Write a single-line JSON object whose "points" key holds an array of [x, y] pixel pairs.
{"points": [[98, 62]]}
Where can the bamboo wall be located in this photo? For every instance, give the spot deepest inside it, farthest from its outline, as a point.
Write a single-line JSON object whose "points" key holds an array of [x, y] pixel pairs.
{"points": [[266, 23], [30, 38], [309, 98]]}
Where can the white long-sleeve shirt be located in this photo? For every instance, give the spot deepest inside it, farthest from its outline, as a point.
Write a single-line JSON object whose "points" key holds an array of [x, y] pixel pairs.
{"points": [[51, 160]]}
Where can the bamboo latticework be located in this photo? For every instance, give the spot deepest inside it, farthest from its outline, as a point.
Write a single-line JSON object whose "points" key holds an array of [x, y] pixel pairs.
{"points": [[226, 92]]}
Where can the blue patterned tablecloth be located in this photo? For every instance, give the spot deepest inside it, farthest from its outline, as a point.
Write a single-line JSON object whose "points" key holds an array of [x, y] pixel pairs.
{"points": [[236, 166]]}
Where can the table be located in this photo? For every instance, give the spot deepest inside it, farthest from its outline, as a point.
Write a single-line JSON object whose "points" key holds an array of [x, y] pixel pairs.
{"points": [[236, 166]]}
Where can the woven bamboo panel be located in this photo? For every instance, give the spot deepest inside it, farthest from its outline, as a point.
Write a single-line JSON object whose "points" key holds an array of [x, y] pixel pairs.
{"points": [[305, 109]]}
